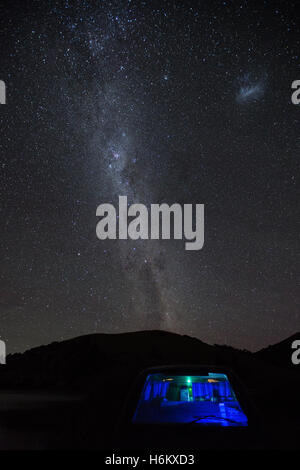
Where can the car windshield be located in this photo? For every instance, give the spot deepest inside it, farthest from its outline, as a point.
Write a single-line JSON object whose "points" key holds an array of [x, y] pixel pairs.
{"points": [[200, 400]]}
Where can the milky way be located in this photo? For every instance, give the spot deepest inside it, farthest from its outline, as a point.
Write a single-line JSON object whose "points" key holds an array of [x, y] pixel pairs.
{"points": [[185, 102]]}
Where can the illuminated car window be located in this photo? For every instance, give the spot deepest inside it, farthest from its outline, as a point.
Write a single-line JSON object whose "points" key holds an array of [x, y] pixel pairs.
{"points": [[201, 400]]}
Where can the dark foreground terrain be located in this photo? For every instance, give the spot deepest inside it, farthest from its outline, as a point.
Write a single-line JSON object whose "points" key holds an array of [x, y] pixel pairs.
{"points": [[69, 395]]}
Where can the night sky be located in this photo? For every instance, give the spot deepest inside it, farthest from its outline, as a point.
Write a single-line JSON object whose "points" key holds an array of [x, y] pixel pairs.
{"points": [[169, 101]]}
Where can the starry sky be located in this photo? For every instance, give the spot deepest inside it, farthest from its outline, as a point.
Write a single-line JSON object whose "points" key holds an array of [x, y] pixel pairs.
{"points": [[169, 101]]}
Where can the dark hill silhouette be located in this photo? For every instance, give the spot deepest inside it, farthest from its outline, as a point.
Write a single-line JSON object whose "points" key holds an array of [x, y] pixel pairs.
{"points": [[279, 354], [80, 362], [101, 368]]}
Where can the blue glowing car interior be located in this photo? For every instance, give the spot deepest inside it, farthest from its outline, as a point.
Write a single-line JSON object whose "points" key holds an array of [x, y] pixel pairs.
{"points": [[201, 400]]}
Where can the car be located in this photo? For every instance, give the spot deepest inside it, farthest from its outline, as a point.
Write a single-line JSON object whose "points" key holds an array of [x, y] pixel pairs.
{"points": [[187, 406]]}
